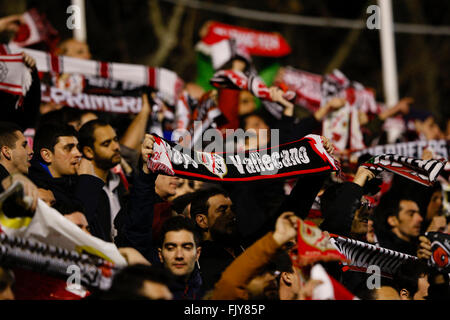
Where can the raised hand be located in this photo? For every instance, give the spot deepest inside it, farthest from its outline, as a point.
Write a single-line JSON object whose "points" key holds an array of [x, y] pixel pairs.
{"points": [[147, 151], [286, 228]]}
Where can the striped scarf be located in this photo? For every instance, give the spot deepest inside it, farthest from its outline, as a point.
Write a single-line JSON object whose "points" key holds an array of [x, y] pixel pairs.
{"points": [[40, 257], [15, 77], [361, 255], [304, 156], [342, 126], [163, 80], [424, 172], [237, 80]]}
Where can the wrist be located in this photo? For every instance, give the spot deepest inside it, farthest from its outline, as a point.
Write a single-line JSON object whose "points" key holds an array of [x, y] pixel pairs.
{"points": [[360, 180], [279, 239]]}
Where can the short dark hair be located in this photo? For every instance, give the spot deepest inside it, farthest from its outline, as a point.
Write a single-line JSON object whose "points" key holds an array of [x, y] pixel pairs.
{"points": [[199, 204], [8, 135], [408, 274], [69, 207], [63, 115], [128, 282], [86, 133], [180, 203], [283, 262], [47, 136], [179, 223], [389, 206], [259, 114]]}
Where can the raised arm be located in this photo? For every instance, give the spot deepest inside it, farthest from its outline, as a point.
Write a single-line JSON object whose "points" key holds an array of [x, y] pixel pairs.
{"points": [[137, 229], [232, 285]]}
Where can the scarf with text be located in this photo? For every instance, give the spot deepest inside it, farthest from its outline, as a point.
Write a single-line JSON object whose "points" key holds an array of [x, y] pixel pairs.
{"points": [[165, 81], [40, 257], [411, 149], [49, 226], [304, 156], [362, 255], [91, 93], [255, 42], [424, 172]]}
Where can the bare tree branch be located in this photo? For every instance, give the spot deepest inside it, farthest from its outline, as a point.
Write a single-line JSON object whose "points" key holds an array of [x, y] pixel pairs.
{"points": [[167, 35], [188, 55], [156, 19]]}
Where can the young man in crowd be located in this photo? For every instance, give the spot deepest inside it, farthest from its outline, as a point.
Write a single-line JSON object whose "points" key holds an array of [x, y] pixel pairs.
{"points": [[56, 162], [411, 280], [398, 222], [15, 153], [211, 211], [106, 203], [179, 251]]}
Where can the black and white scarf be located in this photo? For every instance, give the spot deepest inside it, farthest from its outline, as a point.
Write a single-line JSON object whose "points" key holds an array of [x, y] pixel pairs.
{"points": [[411, 149], [33, 255], [304, 156], [361, 255], [424, 172]]}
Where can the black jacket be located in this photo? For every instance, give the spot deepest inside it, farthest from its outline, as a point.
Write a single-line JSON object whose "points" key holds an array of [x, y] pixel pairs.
{"points": [[255, 203], [340, 212], [86, 190], [389, 240], [190, 290], [136, 227], [63, 188], [213, 261], [25, 116], [98, 209]]}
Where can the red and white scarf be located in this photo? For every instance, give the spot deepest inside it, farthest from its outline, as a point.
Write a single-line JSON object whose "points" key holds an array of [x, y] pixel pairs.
{"points": [[342, 126], [35, 29], [258, 43], [15, 77], [165, 81], [237, 80]]}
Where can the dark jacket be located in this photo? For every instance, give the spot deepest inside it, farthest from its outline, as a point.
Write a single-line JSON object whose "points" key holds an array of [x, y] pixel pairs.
{"points": [[136, 229], [98, 209], [190, 290], [62, 188], [341, 208], [255, 204], [389, 240], [86, 190], [26, 115], [213, 261]]}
